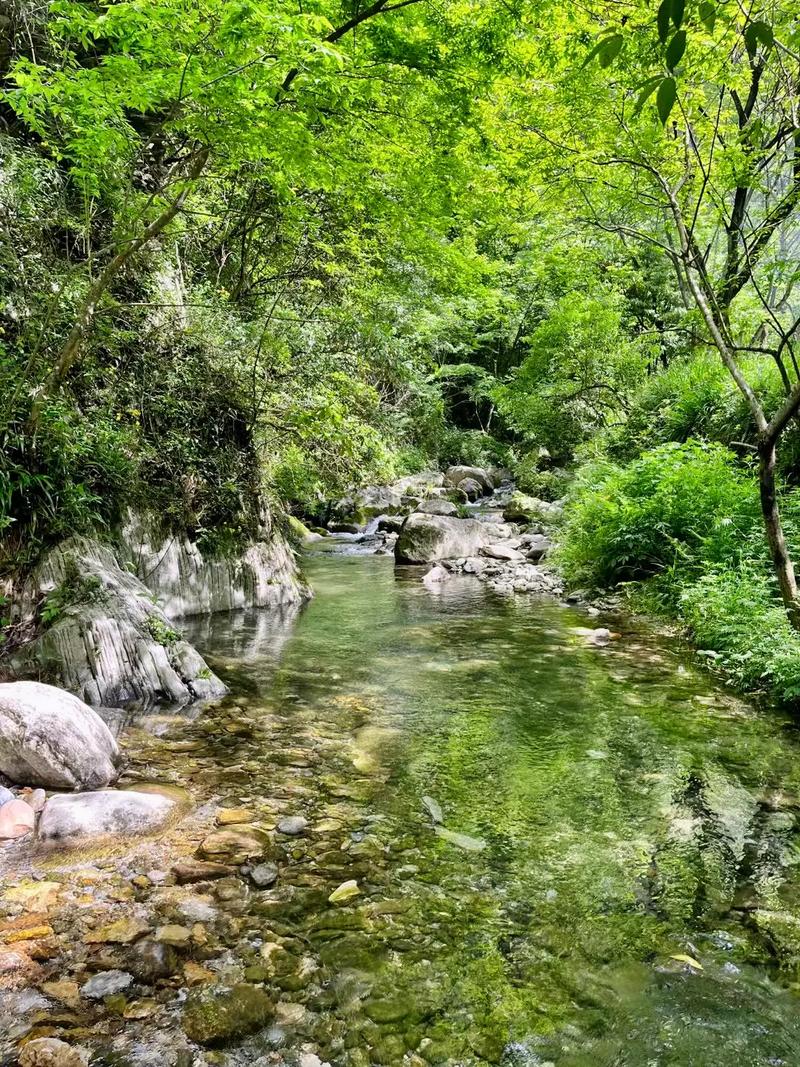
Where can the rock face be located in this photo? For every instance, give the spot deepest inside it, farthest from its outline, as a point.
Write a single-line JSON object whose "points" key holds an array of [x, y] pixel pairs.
{"points": [[425, 538], [71, 819], [50, 738], [185, 582], [109, 643]]}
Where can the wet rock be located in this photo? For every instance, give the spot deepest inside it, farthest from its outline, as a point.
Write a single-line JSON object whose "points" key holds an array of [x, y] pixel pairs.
{"points": [[435, 577], [264, 875], [463, 841], [234, 845], [387, 1010], [199, 871], [71, 819], [292, 825], [434, 809], [50, 1052], [50, 738], [122, 932], [234, 816], [106, 984], [471, 489], [173, 934], [346, 891], [390, 523], [16, 820], [217, 1017], [150, 960]]}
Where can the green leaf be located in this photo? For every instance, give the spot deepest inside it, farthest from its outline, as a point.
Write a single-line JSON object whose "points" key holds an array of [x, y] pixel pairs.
{"points": [[664, 9], [667, 92], [647, 91], [675, 49], [605, 50], [756, 32], [676, 10], [708, 15]]}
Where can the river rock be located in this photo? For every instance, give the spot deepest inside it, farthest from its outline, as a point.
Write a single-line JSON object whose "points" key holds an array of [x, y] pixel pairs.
{"points": [[471, 489], [71, 819], [457, 475], [536, 546], [234, 845], [264, 875], [292, 825], [437, 506], [106, 984], [505, 552], [346, 891], [215, 1017], [190, 871], [50, 1052], [50, 738], [5, 795], [427, 538], [435, 577], [16, 820], [526, 509]]}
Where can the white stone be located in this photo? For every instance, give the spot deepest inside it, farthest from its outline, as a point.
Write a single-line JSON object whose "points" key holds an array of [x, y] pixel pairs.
{"points": [[50, 738], [69, 819]]}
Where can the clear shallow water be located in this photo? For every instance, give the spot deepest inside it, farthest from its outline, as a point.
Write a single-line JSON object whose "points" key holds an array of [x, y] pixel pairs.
{"points": [[619, 812]]}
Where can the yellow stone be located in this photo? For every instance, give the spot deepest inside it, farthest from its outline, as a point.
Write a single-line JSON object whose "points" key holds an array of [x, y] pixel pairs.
{"points": [[65, 991], [195, 974], [34, 896], [172, 934], [121, 932], [33, 933], [234, 816], [346, 891]]}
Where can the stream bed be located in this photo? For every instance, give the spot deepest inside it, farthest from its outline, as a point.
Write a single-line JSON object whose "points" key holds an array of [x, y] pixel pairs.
{"points": [[563, 854]]}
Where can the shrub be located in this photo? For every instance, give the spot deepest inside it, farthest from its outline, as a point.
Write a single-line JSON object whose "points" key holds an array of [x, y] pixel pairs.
{"points": [[737, 614], [676, 506]]}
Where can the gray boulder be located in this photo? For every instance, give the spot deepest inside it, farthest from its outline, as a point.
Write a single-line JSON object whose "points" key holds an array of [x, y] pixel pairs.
{"points": [[471, 489], [426, 538], [527, 509], [50, 738], [70, 819], [504, 552], [437, 506], [459, 474]]}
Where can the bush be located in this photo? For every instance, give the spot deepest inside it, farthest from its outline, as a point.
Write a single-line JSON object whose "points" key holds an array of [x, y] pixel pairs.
{"points": [[737, 614], [677, 506]]}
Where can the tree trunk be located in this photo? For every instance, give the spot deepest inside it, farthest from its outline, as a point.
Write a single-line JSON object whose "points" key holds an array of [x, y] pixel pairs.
{"points": [[781, 561]]}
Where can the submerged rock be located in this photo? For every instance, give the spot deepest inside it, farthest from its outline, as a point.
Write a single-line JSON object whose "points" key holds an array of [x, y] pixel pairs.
{"points": [[69, 819], [292, 825], [50, 738], [106, 984], [216, 1017], [264, 875], [234, 845], [435, 577], [469, 844], [434, 809], [50, 1052], [346, 891]]}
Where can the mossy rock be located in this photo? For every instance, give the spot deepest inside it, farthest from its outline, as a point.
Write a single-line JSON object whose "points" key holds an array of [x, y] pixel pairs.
{"points": [[217, 1017]]}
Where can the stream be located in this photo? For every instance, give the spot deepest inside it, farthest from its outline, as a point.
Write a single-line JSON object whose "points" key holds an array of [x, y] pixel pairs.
{"points": [[482, 838], [614, 878]]}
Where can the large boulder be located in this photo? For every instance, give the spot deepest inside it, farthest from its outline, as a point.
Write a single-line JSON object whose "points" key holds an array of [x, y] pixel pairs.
{"points": [[52, 739], [527, 509], [425, 538], [72, 818], [458, 474]]}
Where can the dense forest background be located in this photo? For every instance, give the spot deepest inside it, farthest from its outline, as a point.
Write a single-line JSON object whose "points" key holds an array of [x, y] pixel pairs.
{"points": [[263, 252]]}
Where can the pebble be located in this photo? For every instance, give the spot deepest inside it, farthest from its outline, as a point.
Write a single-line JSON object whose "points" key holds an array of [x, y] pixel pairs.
{"points": [[292, 825], [264, 875], [199, 871]]}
